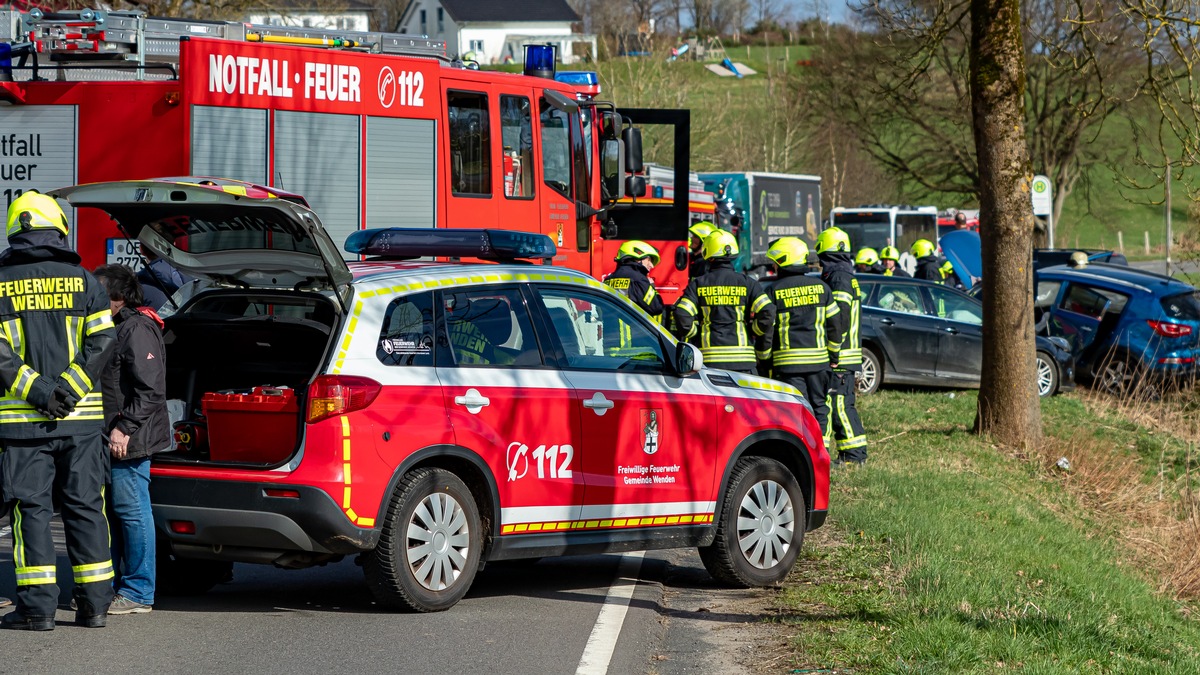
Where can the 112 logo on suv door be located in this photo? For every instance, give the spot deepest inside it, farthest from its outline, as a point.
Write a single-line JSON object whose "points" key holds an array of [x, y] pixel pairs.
{"points": [[553, 459]]}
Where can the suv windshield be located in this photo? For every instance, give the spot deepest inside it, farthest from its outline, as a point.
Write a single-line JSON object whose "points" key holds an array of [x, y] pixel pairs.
{"points": [[1185, 306]]}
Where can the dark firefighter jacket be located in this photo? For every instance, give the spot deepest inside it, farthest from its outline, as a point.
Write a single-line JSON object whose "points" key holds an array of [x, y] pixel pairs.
{"points": [[845, 342], [630, 279], [897, 271], [929, 268], [724, 307], [805, 309], [135, 383], [55, 331]]}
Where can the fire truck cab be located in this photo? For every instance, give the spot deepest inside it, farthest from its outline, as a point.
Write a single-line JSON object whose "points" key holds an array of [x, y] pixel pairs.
{"points": [[376, 129]]}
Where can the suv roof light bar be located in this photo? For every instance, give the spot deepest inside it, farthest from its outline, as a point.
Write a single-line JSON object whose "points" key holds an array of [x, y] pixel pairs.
{"points": [[400, 243]]}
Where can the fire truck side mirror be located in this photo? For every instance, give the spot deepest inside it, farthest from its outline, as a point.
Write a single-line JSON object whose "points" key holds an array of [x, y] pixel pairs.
{"points": [[612, 165], [635, 186], [633, 149]]}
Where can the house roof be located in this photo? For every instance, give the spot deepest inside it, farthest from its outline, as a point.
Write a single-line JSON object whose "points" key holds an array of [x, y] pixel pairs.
{"points": [[284, 6], [509, 10]]}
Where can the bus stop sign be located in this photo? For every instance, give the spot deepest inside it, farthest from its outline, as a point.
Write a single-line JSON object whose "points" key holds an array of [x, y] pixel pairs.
{"points": [[1043, 202]]}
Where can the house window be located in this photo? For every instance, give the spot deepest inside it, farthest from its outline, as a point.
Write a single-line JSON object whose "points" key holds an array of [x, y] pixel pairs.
{"points": [[424, 24], [476, 45], [470, 151], [441, 21]]}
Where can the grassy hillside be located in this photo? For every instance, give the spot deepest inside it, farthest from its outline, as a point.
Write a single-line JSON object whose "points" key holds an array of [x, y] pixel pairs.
{"points": [[728, 119]]}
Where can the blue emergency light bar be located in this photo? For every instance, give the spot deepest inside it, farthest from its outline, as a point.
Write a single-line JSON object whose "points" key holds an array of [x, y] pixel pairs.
{"points": [[539, 60], [403, 243], [578, 78]]}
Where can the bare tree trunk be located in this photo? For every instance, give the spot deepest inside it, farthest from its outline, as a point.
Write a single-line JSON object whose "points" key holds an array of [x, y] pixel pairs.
{"points": [[1009, 409]]}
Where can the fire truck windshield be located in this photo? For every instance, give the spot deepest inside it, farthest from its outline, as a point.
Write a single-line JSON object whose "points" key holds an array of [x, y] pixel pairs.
{"points": [[218, 229]]}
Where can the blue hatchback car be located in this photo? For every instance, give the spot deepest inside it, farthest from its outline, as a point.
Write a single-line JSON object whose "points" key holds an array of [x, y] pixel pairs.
{"points": [[1127, 325]]}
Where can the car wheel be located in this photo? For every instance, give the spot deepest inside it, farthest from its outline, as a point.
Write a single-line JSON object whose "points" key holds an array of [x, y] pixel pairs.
{"points": [[761, 527], [187, 576], [429, 548], [1047, 375], [871, 375], [1118, 375]]}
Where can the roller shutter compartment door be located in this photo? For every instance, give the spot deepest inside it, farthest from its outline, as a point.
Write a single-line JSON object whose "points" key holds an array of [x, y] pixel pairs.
{"points": [[401, 172], [318, 156], [229, 143]]}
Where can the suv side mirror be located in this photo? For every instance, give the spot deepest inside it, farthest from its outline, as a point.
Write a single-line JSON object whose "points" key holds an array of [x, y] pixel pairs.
{"points": [[688, 359], [633, 149], [612, 168]]}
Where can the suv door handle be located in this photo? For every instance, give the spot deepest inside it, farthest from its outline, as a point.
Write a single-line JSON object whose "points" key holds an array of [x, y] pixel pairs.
{"points": [[473, 400], [887, 322], [598, 403], [951, 330]]}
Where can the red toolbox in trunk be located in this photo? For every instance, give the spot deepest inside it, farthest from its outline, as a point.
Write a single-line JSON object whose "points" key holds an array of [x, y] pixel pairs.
{"points": [[259, 427]]}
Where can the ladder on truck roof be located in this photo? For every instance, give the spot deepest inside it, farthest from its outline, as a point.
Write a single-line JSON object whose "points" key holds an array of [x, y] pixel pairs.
{"points": [[131, 40]]}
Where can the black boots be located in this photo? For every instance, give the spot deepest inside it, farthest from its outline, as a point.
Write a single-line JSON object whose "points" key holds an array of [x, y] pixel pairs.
{"points": [[18, 621]]}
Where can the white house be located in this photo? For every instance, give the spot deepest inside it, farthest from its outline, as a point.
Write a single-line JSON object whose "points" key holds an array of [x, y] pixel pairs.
{"points": [[332, 15], [497, 30]]}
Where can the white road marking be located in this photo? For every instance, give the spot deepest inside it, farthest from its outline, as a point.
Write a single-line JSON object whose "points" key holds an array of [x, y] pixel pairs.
{"points": [[597, 654]]}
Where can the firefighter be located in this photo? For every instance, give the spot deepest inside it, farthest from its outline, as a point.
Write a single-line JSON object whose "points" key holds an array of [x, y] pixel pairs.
{"points": [[57, 330], [845, 347], [635, 260], [805, 311], [866, 261], [928, 266], [949, 278], [728, 310], [697, 233], [889, 257]]}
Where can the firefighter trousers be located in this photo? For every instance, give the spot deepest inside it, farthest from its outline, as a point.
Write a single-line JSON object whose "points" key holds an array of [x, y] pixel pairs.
{"points": [[815, 388], [844, 423], [76, 467]]}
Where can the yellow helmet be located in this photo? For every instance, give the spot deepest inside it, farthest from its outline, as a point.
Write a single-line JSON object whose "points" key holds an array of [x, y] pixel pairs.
{"points": [[889, 253], [720, 244], [702, 229], [866, 256], [788, 251], [922, 248], [833, 239], [637, 250], [35, 211]]}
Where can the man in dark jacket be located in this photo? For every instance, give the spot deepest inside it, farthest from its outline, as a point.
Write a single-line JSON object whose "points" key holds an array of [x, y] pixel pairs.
{"points": [[928, 265], [845, 347], [56, 331], [135, 414]]}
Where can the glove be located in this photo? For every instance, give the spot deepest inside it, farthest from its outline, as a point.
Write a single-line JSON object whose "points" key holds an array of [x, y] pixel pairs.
{"points": [[60, 404]]}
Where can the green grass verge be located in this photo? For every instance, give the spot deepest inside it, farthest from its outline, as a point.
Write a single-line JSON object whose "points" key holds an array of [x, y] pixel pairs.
{"points": [[944, 555]]}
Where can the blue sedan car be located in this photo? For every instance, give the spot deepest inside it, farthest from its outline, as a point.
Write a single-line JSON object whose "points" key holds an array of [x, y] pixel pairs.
{"points": [[1128, 326]]}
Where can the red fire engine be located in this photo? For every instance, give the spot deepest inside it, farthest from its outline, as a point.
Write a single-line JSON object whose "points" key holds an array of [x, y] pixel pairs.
{"points": [[374, 129]]}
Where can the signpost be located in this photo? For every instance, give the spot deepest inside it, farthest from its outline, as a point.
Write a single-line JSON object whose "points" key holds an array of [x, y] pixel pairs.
{"points": [[1042, 193]]}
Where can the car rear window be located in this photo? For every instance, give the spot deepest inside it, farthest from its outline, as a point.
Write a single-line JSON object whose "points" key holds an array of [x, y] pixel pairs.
{"points": [[1185, 306]]}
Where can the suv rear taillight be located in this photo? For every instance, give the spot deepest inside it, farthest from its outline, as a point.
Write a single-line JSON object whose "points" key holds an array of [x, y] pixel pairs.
{"points": [[331, 395], [1168, 329]]}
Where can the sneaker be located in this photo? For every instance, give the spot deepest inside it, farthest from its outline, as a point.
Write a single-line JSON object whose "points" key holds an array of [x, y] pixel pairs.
{"points": [[5, 602], [123, 605], [18, 621]]}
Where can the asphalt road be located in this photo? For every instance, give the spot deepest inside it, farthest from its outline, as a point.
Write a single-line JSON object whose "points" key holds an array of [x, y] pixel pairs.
{"points": [[518, 618], [1177, 267]]}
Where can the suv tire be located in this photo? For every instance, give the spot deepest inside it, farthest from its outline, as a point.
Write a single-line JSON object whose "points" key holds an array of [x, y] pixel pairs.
{"points": [[433, 570], [871, 376], [763, 508]]}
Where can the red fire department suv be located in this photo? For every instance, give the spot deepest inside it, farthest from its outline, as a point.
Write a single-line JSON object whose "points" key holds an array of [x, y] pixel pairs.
{"points": [[431, 416]]}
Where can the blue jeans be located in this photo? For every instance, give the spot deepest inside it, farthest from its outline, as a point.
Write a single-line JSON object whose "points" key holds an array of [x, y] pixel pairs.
{"points": [[133, 538]]}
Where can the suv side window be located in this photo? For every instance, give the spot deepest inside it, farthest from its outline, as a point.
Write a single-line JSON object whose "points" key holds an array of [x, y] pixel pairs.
{"points": [[487, 327], [1090, 301], [598, 333], [406, 338], [954, 307]]}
